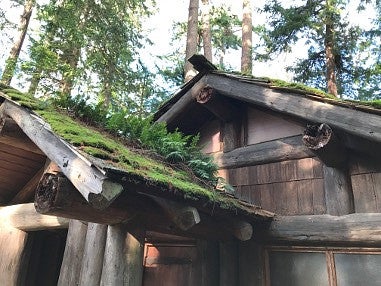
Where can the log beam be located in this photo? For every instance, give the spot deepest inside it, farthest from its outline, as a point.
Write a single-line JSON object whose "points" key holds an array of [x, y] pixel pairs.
{"points": [[268, 152], [56, 195], [183, 216], [321, 140], [25, 217], [358, 229]]}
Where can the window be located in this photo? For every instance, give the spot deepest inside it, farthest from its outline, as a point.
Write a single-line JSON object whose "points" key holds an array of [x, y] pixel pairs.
{"points": [[322, 266]]}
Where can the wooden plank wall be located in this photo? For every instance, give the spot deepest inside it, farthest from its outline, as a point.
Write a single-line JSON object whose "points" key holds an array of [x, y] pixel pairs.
{"points": [[366, 184], [287, 188]]}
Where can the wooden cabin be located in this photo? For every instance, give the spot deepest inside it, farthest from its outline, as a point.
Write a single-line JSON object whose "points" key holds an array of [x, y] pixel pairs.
{"points": [[312, 160], [78, 207]]}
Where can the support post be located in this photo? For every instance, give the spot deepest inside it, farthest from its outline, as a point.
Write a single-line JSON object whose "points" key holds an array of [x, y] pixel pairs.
{"points": [[92, 261], [123, 258], [72, 260]]}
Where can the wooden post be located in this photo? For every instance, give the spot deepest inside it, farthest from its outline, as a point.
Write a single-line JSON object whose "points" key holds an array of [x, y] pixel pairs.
{"points": [[14, 254], [123, 258], [92, 261], [72, 260], [229, 263], [208, 263], [251, 264]]}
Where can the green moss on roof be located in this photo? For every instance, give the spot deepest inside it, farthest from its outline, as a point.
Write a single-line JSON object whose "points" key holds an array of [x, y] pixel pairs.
{"points": [[102, 145]]}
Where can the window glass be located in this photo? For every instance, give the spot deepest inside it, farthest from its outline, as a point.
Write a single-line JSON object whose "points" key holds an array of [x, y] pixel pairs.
{"points": [[358, 269], [298, 269]]}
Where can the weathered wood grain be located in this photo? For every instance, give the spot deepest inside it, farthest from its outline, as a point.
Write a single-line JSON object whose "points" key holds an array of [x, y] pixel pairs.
{"points": [[262, 153], [25, 217], [123, 258], [355, 122], [364, 229], [338, 191], [89, 181], [251, 266], [11, 134], [14, 251], [367, 192], [93, 253], [321, 139], [183, 216], [27, 192], [72, 259], [229, 263]]}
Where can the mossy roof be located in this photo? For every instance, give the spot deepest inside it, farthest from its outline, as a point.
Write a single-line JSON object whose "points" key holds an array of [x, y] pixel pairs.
{"points": [[281, 86], [111, 154]]}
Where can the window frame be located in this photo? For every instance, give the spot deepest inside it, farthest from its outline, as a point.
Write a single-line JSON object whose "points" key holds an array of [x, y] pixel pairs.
{"points": [[330, 257]]}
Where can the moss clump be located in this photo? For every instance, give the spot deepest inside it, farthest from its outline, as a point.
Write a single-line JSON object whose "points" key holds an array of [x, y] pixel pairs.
{"points": [[301, 87]]}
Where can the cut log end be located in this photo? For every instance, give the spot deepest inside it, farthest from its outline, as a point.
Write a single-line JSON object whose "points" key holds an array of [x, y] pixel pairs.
{"points": [[46, 192], [317, 136], [205, 94]]}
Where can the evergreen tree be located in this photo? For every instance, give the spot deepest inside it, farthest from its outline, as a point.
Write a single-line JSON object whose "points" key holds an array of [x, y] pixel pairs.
{"points": [[92, 45], [333, 43]]}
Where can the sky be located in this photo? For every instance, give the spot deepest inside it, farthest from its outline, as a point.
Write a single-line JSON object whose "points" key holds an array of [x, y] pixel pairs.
{"points": [[170, 11]]}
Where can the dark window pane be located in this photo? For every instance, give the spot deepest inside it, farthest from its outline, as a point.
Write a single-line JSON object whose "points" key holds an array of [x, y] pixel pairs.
{"points": [[298, 269], [358, 269]]}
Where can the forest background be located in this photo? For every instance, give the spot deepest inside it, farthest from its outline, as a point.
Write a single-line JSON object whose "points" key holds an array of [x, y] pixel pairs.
{"points": [[112, 62]]}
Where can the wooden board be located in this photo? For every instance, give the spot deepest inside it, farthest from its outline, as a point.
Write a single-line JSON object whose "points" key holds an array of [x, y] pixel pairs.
{"points": [[262, 127], [367, 192]]}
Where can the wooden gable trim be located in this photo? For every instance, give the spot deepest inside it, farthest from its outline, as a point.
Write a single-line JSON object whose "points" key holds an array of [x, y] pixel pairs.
{"points": [[90, 181], [355, 122]]}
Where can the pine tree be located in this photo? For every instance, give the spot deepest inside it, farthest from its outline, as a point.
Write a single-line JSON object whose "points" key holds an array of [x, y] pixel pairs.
{"points": [[206, 30], [333, 43]]}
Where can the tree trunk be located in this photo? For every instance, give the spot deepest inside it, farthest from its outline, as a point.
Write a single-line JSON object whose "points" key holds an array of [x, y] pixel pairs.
{"points": [[192, 35], [206, 31], [17, 45], [247, 39], [329, 52]]}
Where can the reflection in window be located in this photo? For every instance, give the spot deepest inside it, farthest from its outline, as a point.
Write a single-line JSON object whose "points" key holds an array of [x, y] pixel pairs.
{"points": [[358, 269], [298, 269]]}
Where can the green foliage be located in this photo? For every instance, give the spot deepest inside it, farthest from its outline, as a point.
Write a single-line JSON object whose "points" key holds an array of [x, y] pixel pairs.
{"points": [[307, 21], [174, 147]]}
